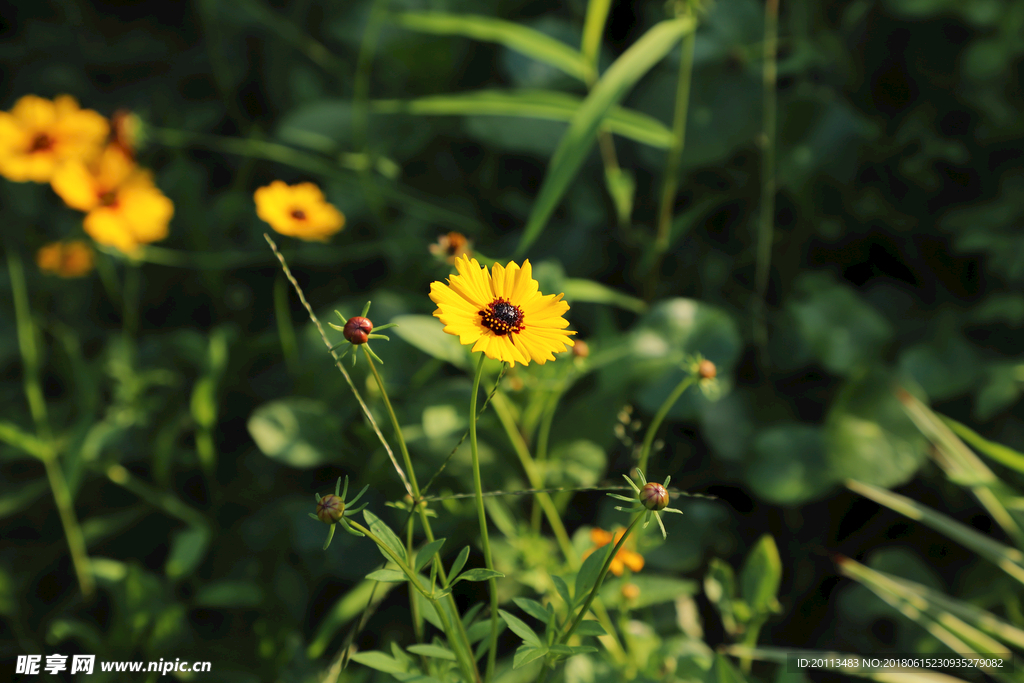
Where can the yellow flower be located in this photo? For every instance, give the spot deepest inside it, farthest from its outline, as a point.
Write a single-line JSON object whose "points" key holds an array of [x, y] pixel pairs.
{"points": [[451, 246], [125, 209], [502, 313], [66, 259], [298, 211], [38, 135], [623, 558]]}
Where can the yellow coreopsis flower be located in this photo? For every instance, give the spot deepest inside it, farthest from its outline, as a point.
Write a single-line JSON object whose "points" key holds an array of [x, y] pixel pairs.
{"points": [[298, 211], [124, 208], [38, 135], [502, 313], [66, 259], [624, 558]]}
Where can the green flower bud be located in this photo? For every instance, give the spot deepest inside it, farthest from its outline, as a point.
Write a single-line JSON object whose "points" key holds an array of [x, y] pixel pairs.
{"points": [[330, 509], [654, 496]]}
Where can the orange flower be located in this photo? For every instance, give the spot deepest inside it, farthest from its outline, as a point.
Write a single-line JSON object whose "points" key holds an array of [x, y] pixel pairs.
{"points": [[298, 211], [66, 259], [124, 208], [451, 246], [38, 135], [623, 558]]}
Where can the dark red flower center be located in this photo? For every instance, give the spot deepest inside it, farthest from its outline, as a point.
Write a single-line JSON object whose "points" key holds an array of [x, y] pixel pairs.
{"points": [[41, 143], [502, 318], [108, 198], [298, 214]]}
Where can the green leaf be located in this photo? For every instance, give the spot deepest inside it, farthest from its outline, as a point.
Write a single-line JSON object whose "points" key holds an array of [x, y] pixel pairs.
{"points": [[520, 628], [578, 139], [187, 550], [720, 587], [998, 452], [588, 291], [458, 564], [380, 662], [539, 104], [563, 590], [586, 577], [479, 575], [23, 496], [788, 466], [869, 437], [526, 654], [428, 551], [229, 593], [387, 576], [589, 627], [761, 576], [14, 435], [516, 37], [1010, 560], [654, 589], [427, 334], [725, 672], [432, 651], [534, 609], [297, 432], [386, 535]]}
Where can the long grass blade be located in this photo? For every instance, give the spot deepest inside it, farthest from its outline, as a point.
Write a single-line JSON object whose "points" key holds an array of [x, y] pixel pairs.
{"points": [[540, 104], [1006, 558], [998, 452], [610, 89], [528, 41]]}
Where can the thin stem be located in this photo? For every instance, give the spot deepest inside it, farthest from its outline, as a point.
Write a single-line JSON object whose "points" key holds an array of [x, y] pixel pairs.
{"points": [[766, 228], [645, 450], [482, 518], [398, 428]]}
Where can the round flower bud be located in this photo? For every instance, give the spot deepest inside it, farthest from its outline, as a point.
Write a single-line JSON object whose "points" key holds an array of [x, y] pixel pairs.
{"points": [[330, 509], [580, 349], [654, 496], [630, 591], [357, 329], [707, 370]]}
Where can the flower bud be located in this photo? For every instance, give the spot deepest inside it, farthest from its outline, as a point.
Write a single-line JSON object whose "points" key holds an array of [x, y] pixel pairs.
{"points": [[630, 591], [330, 509], [357, 329], [580, 349], [654, 496], [707, 369]]}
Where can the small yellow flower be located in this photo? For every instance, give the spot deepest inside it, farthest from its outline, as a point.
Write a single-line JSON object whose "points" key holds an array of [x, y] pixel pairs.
{"points": [[624, 558], [124, 208], [298, 211], [451, 246], [66, 259], [38, 135], [502, 313]]}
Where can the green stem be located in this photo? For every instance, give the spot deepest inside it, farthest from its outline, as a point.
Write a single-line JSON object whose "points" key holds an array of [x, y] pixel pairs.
{"points": [[766, 228], [482, 518], [645, 450], [37, 406]]}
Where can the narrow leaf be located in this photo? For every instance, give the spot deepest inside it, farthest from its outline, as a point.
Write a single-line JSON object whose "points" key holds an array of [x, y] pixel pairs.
{"points": [[458, 564], [761, 575], [533, 608], [379, 661], [479, 575], [432, 651], [576, 143], [520, 628], [589, 627], [526, 654], [428, 551], [998, 452], [386, 535], [516, 37], [563, 590], [587, 575], [387, 576]]}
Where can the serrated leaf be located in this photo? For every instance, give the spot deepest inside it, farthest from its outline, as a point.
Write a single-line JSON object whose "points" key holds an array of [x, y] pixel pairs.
{"points": [[534, 609], [479, 575], [386, 535], [526, 654], [432, 651], [520, 628], [428, 551], [387, 576], [587, 575]]}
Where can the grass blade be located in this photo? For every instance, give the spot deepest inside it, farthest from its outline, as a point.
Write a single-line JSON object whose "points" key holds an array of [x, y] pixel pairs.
{"points": [[593, 30], [1010, 560], [540, 104], [576, 143], [998, 452], [514, 36]]}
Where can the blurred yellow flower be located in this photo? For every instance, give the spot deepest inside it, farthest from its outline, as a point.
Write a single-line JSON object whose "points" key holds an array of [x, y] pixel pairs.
{"points": [[74, 258], [38, 135], [298, 211], [451, 246], [125, 209], [624, 558], [502, 312]]}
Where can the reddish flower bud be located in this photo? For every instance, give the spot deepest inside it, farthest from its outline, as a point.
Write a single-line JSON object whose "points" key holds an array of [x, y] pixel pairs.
{"points": [[357, 329], [580, 349], [654, 496], [330, 509], [707, 370]]}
